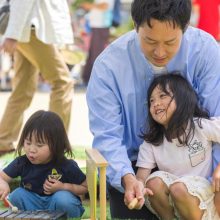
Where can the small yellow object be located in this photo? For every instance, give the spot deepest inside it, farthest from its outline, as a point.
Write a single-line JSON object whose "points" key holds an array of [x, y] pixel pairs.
{"points": [[133, 203]]}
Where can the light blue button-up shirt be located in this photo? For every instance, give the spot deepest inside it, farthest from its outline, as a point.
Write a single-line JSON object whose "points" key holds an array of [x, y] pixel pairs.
{"points": [[117, 94]]}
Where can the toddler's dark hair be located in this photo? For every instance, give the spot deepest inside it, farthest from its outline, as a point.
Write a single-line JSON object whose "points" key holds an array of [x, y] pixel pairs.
{"points": [[47, 127]]}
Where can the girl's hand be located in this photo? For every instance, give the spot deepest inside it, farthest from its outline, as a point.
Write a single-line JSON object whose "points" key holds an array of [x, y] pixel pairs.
{"points": [[4, 190], [52, 186], [148, 192], [216, 179]]}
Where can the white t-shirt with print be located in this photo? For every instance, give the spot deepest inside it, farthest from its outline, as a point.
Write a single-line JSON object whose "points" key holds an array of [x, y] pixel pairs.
{"points": [[194, 159]]}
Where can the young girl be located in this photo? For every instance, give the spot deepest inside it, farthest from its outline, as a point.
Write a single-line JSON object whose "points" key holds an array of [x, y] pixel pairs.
{"points": [[179, 143], [49, 181]]}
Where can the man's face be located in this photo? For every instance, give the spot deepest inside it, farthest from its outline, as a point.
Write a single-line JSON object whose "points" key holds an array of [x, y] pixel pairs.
{"points": [[161, 42]]}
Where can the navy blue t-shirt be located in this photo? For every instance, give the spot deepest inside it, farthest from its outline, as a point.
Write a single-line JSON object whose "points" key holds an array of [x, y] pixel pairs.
{"points": [[33, 176]]}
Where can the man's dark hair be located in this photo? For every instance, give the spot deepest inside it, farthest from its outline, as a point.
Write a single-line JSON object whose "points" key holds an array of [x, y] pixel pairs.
{"points": [[187, 109], [47, 127], [177, 12]]}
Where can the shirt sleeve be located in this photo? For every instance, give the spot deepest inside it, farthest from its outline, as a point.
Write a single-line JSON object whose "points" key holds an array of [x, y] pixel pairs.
{"points": [[146, 157], [211, 129], [106, 123], [74, 173], [20, 11], [14, 169], [208, 81]]}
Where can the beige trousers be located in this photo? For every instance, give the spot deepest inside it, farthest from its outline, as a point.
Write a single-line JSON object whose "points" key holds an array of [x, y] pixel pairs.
{"points": [[30, 59]]}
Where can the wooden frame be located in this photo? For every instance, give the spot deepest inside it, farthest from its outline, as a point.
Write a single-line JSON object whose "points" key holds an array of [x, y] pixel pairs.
{"points": [[94, 161]]}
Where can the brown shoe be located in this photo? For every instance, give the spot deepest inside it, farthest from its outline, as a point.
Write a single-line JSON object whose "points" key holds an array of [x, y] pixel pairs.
{"points": [[2, 153]]}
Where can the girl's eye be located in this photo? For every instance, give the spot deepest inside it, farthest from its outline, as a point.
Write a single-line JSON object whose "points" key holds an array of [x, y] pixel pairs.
{"points": [[163, 95], [40, 144], [151, 100]]}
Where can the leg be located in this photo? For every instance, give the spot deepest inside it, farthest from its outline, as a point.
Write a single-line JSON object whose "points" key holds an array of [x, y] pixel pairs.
{"points": [[67, 202], [160, 200], [217, 202], [24, 86], [120, 211], [26, 200], [186, 204], [54, 70], [99, 39]]}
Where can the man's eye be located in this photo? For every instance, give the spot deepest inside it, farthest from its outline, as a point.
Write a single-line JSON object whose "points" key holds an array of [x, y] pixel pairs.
{"points": [[170, 43], [151, 43]]}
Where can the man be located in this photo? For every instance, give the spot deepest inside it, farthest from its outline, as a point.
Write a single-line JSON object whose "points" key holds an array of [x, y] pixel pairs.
{"points": [[116, 95], [34, 27]]}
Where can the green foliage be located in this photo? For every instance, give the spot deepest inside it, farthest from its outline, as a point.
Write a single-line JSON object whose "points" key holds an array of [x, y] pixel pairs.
{"points": [[79, 153], [76, 4], [122, 29]]}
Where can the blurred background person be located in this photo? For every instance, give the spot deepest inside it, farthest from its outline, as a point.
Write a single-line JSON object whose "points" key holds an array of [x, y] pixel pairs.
{"points": [[100, 20], [34, 27], [207, 13]]}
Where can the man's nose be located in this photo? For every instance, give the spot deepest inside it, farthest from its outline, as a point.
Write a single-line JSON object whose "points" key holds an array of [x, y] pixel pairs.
{"points": [[159, 51]]}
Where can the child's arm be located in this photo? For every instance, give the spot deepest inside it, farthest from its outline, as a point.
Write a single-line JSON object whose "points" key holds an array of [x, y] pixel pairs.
{"points": [[141, 176], [76, 189], [216, 179], [52, 185], [4, 186]]}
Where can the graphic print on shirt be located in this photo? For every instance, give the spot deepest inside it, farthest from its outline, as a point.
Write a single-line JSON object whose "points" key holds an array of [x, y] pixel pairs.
{"points": [[196, 153], [54, 175]]}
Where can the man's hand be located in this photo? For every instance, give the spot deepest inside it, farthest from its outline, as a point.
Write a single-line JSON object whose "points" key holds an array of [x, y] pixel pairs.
{"points": [[216, 179], [133, 189], [133, 204], [8, 45]]}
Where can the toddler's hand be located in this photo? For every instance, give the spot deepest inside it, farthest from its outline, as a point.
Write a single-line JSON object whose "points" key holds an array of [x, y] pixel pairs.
{"points": [[51, 186], [4, 190]]}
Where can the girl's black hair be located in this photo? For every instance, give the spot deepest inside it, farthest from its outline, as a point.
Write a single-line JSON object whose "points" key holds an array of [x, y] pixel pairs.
{"points": [[47, 127], [187, 107]]}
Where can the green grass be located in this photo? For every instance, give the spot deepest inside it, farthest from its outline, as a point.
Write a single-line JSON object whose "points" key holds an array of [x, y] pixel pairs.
{"points": [[79, 153]]}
